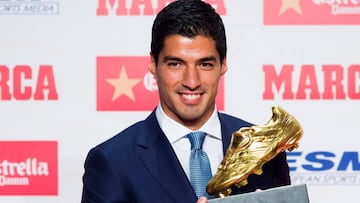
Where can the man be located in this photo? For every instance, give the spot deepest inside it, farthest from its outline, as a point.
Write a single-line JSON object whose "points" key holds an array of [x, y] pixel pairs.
{"points": [[149, 161]]}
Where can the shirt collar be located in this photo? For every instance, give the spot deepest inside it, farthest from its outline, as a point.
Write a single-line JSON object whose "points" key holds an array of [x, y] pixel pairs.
{"points": [[175, 131]]}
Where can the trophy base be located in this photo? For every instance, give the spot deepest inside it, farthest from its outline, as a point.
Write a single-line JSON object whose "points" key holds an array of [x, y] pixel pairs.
{"points": [[284, 194]]}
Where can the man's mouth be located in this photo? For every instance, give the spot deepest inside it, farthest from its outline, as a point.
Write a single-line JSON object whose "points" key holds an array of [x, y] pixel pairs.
{"points": [[191, 96]]}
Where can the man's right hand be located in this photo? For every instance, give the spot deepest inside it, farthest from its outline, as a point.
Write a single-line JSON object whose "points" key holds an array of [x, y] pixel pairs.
{"points": [[202, 200]]}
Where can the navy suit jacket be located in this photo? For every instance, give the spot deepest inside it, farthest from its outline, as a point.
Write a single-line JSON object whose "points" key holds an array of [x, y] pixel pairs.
{"points": [[139, 165]]}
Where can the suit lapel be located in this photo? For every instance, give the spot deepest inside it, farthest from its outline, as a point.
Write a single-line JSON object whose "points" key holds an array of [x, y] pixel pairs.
{"points": [[226, 133], [229, 125], [159, 158]]}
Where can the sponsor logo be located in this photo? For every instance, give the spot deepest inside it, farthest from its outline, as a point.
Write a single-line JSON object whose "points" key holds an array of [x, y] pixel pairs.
{"points": [[328, 82], [311, 12], [28, 168], [143, 7], [324, 167], [29, 7], [20, 83], [124, 83]]}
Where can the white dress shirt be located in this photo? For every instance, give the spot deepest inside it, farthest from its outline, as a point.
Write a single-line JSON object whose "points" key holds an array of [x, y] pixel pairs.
{"points": [[176, 132]]}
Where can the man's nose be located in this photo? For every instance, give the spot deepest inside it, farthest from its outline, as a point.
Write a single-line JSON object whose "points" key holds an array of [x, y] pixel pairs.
{"points": [[191, 77]]}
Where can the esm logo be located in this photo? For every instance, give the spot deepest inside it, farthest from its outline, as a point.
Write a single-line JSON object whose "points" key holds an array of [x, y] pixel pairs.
{"points": [[144, 7], [323, 161]]}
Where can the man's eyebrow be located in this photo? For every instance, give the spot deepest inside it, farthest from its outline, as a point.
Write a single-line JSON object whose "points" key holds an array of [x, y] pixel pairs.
{"points": [[172, 58], [209, 58]]}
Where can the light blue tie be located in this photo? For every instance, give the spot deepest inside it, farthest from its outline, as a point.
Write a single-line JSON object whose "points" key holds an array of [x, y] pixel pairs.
{"points": [[200, 170]]}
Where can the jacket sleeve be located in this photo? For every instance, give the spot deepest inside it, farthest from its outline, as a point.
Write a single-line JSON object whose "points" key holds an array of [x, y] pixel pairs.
{"points": [[282, 173], [100, 181]]}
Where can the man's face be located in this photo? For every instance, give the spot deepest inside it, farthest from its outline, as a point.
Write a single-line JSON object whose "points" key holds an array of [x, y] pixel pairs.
{"points": [[188, 74]]}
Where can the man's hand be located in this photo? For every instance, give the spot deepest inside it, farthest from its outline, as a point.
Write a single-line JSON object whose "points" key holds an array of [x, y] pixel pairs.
{"points": [[202, 200]]}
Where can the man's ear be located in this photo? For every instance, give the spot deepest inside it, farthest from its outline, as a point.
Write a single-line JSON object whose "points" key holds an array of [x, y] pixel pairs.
{"points": [[152, 65], [224, 66]]}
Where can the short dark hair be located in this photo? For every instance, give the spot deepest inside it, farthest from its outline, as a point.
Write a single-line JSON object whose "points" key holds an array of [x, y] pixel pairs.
{"points": [[188, 18]]}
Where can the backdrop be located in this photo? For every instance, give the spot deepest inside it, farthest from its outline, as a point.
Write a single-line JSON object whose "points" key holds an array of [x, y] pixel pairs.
{"points": [[74, 73]]}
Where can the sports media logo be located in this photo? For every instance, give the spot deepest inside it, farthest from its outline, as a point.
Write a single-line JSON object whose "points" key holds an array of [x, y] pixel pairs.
{"points": [[29, 7]]}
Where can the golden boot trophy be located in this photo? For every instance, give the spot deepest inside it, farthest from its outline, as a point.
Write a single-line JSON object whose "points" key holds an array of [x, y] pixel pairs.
{"points": [[251, 147]]}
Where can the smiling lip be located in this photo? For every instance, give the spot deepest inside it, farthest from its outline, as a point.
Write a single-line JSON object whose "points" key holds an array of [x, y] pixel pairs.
{"points": [[191, 98]]}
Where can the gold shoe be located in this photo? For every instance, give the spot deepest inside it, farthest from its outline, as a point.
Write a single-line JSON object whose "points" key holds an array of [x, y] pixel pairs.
{"points": [[251, 147]]}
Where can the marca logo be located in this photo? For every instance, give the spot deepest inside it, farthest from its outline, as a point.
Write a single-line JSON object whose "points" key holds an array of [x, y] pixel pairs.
{"points": [[339, 82], [311, 12], [28, 168], [144, 7], [19, 83], [29, 7], [124, 83], [324, 167]]}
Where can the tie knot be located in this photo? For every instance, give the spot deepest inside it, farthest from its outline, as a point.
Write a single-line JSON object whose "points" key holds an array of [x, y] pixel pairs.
{"points": [[196, 139]]}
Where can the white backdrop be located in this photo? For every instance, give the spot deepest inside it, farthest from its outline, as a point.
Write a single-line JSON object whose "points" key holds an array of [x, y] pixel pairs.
{"points": [[69, 37]]}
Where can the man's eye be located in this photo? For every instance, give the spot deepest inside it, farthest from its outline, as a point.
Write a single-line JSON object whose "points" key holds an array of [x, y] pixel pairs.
{"points": [[173, 63], [206, 65]]}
